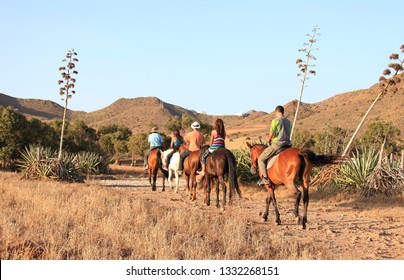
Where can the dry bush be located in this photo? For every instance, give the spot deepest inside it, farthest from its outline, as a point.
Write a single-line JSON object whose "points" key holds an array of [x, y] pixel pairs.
{"points": [[53, 220]]}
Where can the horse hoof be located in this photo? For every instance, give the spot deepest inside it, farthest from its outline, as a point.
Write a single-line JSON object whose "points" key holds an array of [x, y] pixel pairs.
{"points": [[304, 221], [299, 220]]}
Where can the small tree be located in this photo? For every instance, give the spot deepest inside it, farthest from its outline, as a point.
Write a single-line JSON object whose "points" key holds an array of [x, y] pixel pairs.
{"points": [[67, 82], [305, 67], [186, 122], [173, 123], [381, 134], [384, 84], [330, 140], [138, 144], [13, 127], [113, 139], [303, 139]]}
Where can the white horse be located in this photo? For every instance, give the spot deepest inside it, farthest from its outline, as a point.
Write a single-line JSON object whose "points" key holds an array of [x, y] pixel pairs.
{"points": [[172, 167]]}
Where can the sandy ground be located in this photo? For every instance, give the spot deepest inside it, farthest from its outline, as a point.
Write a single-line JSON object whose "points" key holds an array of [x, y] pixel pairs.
{"points": [[350, 227]]}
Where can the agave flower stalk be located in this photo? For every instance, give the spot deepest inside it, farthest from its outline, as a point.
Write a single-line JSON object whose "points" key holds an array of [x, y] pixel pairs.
{"points": [[385, 84], [304, 68], [67, 85]]}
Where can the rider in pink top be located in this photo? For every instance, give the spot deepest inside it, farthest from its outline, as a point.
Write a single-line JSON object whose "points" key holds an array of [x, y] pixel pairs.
{"points": [[217, 140]]}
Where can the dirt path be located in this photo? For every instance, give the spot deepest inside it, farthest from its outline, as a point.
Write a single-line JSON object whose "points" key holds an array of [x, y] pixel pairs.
{"points": [[349, 227]]}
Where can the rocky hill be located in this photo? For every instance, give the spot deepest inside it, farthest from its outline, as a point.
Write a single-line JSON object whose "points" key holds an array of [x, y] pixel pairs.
{"points": [[343, 110]]}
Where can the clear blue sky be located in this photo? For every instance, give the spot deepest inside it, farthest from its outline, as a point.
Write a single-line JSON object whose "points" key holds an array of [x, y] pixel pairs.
{"points": [[218, 57]]}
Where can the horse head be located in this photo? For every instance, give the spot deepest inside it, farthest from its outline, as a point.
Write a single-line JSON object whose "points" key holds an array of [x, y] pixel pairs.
{"points": [[183, 148], [255, 151]]}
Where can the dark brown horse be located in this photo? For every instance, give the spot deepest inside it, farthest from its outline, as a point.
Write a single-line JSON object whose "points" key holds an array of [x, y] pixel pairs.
{"points": [[220, 163], [154, 163], [290, 166], [191, 165]]}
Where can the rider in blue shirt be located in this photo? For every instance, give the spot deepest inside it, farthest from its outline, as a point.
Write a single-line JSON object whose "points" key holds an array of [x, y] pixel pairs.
{"points": [[155, 141]]}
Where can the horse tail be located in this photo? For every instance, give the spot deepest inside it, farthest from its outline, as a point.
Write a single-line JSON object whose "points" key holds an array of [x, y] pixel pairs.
{"points": [[231, 161], [320, 160], [160, 164]]}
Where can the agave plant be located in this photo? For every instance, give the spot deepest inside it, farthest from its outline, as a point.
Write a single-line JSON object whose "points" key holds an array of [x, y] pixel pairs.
{"points": [[353, 173], [244, 162], [36, 162], [243, 165], [89, 163], [66, 168]]}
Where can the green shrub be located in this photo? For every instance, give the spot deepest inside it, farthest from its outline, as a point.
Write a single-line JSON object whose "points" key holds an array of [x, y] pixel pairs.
{"points": [[353, 174]]}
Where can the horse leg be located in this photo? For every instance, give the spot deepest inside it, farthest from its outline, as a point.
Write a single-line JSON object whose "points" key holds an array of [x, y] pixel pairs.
{"points": [[217, 191], [221, 180], [298, 194], [154, 182], [187, 184], [193, 182], [275, 204], [177, 182], [150, 179], [170, 174], [305, 206], [271, 197], [206, 183], [306, 182], [164, 184], [191, 188], [268, 200]]}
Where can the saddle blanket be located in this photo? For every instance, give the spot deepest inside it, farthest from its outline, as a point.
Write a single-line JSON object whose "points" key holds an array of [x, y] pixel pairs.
{"points": [[271, 161]]}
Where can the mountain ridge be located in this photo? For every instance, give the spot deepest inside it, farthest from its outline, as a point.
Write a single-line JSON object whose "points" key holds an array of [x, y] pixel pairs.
{"points": [[344, 110]]}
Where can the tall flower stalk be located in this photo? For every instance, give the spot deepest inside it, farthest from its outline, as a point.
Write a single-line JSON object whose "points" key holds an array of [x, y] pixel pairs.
{"points": [[67, 82], [305, 67], [385, 83]]}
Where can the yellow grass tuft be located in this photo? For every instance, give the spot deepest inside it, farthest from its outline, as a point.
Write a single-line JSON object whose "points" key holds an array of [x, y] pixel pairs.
{"points": [[52, 221]]}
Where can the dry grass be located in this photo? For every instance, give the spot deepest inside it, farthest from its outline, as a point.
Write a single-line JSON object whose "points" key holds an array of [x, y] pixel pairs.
{"points": [[51, 220]]}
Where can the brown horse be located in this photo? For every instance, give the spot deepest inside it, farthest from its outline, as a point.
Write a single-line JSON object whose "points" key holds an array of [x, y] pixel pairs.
{"points": [[154, 163], [191, 165], [220, 163], [291, 165]]}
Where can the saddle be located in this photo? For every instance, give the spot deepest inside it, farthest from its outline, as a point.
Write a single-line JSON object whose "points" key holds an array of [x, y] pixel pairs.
{"points": [[271, 161]]}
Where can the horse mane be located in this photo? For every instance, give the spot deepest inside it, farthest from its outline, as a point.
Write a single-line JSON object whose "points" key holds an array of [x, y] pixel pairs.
{"points": [[256, 144], [262, 145]]}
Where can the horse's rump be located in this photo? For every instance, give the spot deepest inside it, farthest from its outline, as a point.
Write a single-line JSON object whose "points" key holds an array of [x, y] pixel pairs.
{"points": [[222, 162]]}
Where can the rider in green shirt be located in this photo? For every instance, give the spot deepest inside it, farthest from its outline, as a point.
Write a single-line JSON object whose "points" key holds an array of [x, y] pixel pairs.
{"points": [[278, 137]]}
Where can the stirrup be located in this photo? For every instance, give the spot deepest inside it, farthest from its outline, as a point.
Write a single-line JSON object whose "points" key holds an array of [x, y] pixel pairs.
{"points": [[263, 181]]}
